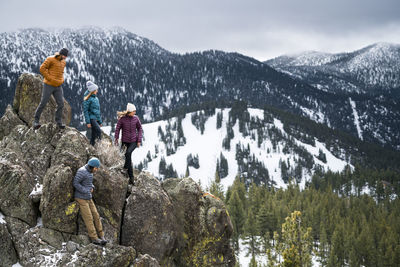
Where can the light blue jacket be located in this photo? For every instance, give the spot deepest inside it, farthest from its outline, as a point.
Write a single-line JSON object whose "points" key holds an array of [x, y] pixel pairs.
{"points": [[91, 108]]}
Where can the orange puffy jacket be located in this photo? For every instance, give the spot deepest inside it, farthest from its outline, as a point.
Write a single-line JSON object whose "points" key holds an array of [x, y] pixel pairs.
{"points": [[52, 70]]}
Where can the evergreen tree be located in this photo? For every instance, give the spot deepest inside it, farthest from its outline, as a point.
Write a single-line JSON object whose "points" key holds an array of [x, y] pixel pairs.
{"points": [[250, 232], [253, 262], [216, 188], [296, 242], [219, 119], [237, 213], [187, 173]]}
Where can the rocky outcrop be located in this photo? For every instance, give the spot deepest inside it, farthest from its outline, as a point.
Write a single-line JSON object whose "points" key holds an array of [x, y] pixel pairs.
{"points": [[149, 223], [8, 122], [173, 223], [146, 261], [27, 98], [16, 184], [203, 238], [8, 256]]}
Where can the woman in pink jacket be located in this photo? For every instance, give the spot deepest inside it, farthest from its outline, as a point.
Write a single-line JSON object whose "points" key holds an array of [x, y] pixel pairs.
{"points": [[131, 135]]}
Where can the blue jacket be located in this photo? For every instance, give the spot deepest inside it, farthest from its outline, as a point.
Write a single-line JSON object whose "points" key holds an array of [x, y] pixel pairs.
{"points": [[91, 108], [83, 183]]}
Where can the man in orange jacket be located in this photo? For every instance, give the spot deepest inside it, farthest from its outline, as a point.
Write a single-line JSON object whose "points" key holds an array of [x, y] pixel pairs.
{"points": [[52, 70]]}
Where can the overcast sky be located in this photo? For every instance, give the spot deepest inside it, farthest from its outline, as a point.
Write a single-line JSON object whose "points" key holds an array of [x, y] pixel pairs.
{"points": [[262, 29]]}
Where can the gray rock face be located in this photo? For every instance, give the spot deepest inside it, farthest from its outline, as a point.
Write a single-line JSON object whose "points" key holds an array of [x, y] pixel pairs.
{"points": [[149, 224], [71, 149], [16, 184], [217, 230], [109, 195], [92, 255], [9, 120], [8, 255], [57, 205], [27, 98], [203, 238], [146, 261], [34, 146], [38, 246]]}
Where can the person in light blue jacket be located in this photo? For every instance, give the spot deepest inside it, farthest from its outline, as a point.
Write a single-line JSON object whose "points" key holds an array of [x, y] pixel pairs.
{"points": [[91, 110]]}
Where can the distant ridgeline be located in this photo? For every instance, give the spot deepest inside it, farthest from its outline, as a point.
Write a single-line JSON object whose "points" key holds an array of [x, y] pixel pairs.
{"points": [[291, 140], [130, 68]]}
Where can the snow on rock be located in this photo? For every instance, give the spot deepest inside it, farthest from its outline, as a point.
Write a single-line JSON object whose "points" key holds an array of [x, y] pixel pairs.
{"points": [[2, 221], [37, 190]]}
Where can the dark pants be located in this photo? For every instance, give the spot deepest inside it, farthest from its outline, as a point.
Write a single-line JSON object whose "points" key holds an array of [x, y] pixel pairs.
{"points": [[96, 131], [58, 94], [128, 157]]}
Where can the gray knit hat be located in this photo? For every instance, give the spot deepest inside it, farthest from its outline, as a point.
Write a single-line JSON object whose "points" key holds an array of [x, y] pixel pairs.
{"points": [[91, 86]]}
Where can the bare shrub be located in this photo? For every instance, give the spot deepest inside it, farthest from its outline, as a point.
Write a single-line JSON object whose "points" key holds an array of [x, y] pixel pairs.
{"points": [[109, 154]]}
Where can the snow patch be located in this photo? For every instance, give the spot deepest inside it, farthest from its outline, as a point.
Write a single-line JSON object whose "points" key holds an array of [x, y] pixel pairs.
{"points": [[2, 221], [37, 190], [356, 119]]}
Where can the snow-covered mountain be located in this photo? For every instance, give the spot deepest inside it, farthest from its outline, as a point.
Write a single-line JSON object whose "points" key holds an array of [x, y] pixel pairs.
{"points": [[258, 154], [373, 69], [130, 68], [267, 146]]}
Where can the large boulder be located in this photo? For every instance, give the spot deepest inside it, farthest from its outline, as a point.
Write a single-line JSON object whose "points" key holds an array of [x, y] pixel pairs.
{"points": [[25, 243], [146, 261], [9, 120], [16, 184], [110, 194], [35, 147], [27, 98], [149, 224], [214, 248], [57, 205], [204, 235], [8, 255], [71, 149]]}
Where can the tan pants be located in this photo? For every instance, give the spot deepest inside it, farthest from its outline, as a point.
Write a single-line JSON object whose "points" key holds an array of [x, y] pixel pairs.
{"points": [[90, 217]]}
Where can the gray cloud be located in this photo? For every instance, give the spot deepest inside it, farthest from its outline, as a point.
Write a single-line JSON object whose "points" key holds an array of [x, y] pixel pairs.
{"points": [[258, 28]]}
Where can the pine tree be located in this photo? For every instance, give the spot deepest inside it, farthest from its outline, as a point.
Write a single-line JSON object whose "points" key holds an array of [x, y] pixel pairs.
{"points": [[337, 253], [236, 211], [296, 242], [216, 188], [219, 119], [251, 233], [187, 173], [253, 262], [217, 179]]}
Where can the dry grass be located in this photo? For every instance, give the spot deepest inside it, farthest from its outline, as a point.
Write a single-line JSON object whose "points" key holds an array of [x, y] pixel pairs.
{"points": [[109, 154]]}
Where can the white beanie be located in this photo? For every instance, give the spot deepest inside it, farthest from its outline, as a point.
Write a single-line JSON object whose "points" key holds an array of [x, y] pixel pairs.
{"points": [[91, 86], [130, 107]]}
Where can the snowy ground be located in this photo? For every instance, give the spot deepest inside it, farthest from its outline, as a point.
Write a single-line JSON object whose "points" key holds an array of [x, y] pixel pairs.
{"points": [[244, 258]]}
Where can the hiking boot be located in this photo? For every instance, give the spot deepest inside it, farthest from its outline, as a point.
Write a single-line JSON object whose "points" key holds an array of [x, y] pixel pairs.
{"points": [[132, 180], [97, 241], [103, 240], [61, 126], [36, 125]]}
